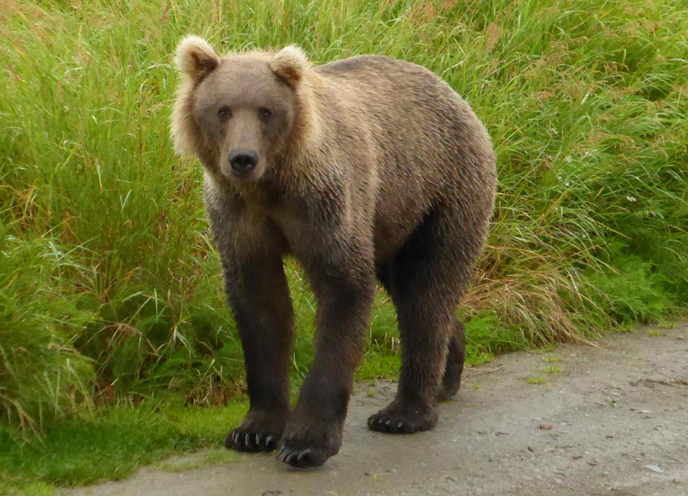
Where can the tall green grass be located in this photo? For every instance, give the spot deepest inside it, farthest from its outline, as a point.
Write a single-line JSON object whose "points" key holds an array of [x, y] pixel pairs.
{"points": [[110, 289]]}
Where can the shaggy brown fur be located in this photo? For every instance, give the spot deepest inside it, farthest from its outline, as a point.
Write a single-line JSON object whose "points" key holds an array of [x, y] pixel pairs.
{"points": [[364, 168]]}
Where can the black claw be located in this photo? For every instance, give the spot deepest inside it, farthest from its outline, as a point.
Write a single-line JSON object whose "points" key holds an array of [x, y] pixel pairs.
{"points": [[258, 439], [281, 452], [247, 440], [290, 457], [268, 442]]}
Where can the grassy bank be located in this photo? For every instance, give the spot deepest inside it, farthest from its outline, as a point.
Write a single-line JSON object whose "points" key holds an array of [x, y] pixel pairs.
{"points": [[110, 294]]}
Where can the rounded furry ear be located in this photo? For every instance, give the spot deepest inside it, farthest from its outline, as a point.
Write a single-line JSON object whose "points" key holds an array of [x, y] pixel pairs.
{"points": [[290, 64], [196, 58]]}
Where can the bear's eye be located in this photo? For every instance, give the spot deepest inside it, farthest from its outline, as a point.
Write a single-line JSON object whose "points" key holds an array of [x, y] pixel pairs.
{"points": [[224, 113], [264, 113]]}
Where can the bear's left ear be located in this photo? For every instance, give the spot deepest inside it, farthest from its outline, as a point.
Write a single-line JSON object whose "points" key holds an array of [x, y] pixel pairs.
{"points": [[290, 65], [196, 58]]}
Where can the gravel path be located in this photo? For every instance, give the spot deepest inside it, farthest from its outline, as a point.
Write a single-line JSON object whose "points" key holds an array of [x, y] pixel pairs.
{"points": [[613, 420]]}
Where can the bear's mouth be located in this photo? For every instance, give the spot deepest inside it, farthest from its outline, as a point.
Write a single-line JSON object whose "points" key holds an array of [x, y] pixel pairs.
{"points": [[244, 174]]}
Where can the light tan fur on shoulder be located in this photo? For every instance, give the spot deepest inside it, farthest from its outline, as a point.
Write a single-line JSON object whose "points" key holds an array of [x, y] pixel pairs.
{"points": [[291, 65]]}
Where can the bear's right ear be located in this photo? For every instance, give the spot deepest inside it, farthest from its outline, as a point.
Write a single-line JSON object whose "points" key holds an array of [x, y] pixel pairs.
{"points": [[196, 58]]}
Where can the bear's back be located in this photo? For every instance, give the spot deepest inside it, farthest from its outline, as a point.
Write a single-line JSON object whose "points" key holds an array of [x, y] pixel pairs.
{"points": [[419, 125], [428, 143], [360, 63]]}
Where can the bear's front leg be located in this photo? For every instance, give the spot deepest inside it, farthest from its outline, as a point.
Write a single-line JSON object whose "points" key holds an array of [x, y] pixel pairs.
{"points": [[345, 292], [259, 297]]}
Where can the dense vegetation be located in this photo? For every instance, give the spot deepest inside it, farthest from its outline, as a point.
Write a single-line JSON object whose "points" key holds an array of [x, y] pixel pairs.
{"points": [[110, 291]]}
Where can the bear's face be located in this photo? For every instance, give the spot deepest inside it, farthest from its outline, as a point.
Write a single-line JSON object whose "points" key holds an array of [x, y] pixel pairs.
{"points": [[246, 113], [238, 113]]}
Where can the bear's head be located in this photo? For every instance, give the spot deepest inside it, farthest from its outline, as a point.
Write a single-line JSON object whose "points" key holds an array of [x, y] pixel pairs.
{"points": [[242, 114]]}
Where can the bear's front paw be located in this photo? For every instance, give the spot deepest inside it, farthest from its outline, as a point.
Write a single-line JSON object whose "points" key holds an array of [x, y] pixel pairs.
{"points": [[307, 445], [257, 433], [404, 419]]}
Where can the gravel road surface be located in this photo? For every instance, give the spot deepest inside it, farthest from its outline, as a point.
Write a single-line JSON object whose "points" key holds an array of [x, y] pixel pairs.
{"points": [[611, 419]]}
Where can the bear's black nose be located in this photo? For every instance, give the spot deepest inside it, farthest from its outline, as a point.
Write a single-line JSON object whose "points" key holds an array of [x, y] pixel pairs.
{"points": [[243, 160]]}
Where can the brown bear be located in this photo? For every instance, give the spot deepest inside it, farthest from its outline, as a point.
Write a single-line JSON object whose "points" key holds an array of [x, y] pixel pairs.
{"points": [[362, 169]]}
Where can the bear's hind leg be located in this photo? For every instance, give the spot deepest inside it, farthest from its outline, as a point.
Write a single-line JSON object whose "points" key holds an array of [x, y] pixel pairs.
{"points": [[424, 336], [428, 275]]}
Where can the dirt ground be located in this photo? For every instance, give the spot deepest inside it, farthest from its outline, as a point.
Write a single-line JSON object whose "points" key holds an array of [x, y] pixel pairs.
{"points": [[613, 420]]}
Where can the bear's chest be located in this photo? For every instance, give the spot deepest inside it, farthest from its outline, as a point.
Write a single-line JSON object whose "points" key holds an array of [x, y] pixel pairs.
{"points": [[308, 215]]}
